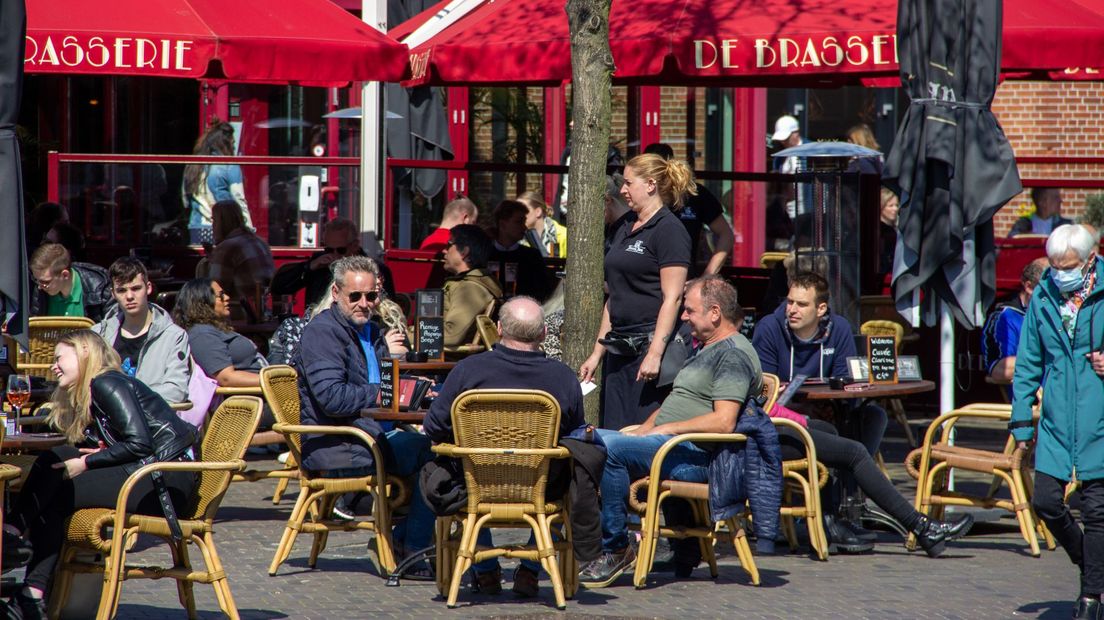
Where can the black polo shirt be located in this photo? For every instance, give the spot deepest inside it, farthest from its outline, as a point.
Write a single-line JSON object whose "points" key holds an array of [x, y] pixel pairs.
{"points": [[698, 213], [632, 268]]}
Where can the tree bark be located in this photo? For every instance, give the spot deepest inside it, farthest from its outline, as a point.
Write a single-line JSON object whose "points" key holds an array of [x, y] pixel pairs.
{"points": [[591, 70]]}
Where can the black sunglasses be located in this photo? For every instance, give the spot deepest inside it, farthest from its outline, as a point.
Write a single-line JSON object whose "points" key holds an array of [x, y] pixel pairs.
{"points": [[355, 296], [340, 251]]}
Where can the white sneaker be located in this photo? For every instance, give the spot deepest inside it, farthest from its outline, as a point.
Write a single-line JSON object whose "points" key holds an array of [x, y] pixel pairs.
{"points": [[283, 458]]}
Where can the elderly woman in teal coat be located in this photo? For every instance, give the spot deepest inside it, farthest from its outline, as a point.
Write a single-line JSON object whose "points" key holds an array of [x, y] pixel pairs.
{"points": [[1062, 350]]}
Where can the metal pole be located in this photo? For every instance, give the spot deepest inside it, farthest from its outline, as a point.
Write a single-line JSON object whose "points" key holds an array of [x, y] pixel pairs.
{"points": [[371, 138], [946, 370]]}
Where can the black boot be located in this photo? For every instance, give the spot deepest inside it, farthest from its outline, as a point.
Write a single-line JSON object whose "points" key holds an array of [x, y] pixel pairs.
{"points": [[933, 535], [1087, 608], [842, 540]]}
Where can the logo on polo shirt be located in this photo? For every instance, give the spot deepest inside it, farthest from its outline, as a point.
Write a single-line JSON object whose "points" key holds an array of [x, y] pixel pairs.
{"points": [[637, 247]]}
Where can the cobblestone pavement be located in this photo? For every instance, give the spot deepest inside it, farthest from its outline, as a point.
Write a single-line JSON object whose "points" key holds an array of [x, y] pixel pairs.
{"points": [[987, 575]]}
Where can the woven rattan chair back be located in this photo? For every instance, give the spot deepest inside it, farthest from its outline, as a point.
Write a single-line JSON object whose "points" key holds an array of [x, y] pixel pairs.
{"points": [[770, 390], [505, 419], [884, 328], [281, 391], [226, 439], [43, 334], [488, 332]]}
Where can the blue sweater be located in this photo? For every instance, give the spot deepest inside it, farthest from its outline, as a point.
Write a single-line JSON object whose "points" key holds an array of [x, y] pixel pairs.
{"points": [[506, 368], [824, 356]]}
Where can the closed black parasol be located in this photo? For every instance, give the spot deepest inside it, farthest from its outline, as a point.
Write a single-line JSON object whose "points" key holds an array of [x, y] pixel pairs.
{"points": [[13, 267], [951, 164]]}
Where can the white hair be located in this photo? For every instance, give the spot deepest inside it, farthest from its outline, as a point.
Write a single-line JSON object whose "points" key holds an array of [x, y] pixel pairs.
{"points": [[1070, 237]]}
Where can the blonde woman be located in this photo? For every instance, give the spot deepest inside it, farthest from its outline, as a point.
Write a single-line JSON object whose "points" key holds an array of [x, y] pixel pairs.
{"points": [[543, 232], [646, 268], [115, 424]]}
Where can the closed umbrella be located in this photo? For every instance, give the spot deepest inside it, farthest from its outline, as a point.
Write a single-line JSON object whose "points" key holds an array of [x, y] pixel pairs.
{"points": [[13, 268], [951, 165]]}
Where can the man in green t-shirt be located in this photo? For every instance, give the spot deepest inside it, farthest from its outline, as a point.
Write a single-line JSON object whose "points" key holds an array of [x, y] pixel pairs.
{"points": [[66, 288], [706, 398]]}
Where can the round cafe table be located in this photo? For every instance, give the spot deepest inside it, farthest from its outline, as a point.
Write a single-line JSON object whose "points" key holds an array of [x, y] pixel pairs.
{"points": [[857, 506], [31, 442], [381, 414]]}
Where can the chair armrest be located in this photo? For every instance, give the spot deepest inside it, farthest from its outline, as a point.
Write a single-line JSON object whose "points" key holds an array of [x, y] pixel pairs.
{"points": [[239, 391], [185, 405], [806, 438], [352, 431], [949, 419], [661, 454]]}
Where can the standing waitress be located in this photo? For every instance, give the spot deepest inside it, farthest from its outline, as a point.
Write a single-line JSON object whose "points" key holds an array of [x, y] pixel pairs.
{"points": [[117, 425], [645, 270]]}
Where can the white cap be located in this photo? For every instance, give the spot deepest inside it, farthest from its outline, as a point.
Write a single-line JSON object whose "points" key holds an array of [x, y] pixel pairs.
{"points": [[784, 126]]}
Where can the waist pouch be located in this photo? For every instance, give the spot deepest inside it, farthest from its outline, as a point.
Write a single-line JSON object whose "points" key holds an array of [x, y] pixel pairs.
{"points": [[628, 345], [634, 344]]}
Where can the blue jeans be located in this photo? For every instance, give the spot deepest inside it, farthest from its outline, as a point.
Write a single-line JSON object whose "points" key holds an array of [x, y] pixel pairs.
{"points": [[411, 451], [629, 458]]}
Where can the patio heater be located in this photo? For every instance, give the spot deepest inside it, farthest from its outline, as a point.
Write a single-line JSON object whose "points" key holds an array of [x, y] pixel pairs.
{"points": [[826, 194]]}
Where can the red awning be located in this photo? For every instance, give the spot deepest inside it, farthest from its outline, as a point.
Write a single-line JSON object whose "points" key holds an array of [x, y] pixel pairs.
{"points": [[312, 41], [736, 42]]}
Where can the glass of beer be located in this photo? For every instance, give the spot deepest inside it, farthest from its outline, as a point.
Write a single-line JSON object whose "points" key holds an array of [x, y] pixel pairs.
{"points": [[19, 392]]}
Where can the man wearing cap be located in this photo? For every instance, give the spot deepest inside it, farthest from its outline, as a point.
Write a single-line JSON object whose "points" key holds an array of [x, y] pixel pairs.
{"points": [[787, 133]]}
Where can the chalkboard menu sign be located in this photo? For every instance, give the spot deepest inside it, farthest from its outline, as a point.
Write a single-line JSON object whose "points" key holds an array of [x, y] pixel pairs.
{"points": [[431, 302], [387, 399], [881, 353], [429, 337]]}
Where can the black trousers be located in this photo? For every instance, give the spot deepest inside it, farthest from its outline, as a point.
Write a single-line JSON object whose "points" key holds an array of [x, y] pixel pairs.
{"points": [[625, 400], [848, 456], [1085, 547], [47, 500]]}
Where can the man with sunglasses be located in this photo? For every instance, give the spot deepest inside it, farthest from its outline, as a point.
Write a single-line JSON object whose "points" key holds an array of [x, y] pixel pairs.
{"points": [[339, 377], [340, 238]]}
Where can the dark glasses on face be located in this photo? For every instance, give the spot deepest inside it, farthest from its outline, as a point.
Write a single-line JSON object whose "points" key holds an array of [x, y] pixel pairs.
{"points": [[355, 296], [340, 251]]}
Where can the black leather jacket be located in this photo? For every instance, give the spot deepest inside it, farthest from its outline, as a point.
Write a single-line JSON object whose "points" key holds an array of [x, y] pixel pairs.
{"points": [[135, 424], [96, 287]]}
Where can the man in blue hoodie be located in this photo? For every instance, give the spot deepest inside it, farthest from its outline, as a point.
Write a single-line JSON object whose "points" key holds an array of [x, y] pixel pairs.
{"points": [[803, 337]]}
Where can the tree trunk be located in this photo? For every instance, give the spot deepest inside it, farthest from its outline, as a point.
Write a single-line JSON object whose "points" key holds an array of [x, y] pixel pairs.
{"points": [[591, 70]]}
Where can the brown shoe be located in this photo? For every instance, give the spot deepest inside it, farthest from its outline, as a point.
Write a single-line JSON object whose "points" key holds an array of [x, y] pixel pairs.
{"points": [[525, 582], [488, 583]]}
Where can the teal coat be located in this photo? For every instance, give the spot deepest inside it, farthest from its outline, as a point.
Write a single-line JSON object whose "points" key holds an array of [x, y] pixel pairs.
{"points": [[1071, 428]]}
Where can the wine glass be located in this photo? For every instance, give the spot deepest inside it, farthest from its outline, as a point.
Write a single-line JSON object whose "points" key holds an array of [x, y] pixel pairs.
{"points": [[19, 392]]}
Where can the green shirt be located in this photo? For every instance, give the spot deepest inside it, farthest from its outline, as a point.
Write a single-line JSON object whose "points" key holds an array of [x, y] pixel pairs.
{"points": [[73, 305], [725, 370]]}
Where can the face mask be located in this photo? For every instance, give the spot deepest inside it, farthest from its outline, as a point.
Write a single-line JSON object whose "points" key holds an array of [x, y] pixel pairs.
{"points": [[1069, 280]]}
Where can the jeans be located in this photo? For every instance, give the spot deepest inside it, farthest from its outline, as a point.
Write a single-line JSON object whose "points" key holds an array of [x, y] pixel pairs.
{"points": [[411, 451], [629, 458], [1085, 548]]}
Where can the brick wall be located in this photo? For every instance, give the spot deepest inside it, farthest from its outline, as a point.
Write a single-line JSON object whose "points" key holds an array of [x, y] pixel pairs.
{"points": [[1051, 119]]}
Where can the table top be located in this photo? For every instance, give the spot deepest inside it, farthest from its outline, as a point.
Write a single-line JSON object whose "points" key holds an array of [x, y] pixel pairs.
{"points": [[873, 390], [386, 415], [32, 441], [405, 365]]}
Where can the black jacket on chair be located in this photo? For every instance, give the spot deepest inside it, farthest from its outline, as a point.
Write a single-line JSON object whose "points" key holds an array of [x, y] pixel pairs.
{"points": [[135, 424]]}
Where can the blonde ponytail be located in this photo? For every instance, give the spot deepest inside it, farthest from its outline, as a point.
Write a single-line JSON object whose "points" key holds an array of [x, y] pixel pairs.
{"points": [[673, 178]]}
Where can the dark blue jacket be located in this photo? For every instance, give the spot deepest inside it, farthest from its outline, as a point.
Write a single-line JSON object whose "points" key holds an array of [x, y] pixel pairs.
{"points": [[506, 368], [333, 389], [749, 472], [824, 356]]}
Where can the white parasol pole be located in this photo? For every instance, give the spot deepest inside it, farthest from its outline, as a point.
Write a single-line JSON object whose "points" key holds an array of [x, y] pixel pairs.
{"points": [[371, 136], [946, 371]]}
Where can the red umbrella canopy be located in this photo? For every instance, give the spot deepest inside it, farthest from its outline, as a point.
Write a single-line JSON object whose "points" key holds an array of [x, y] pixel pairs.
{"points": [[734, 41], [312, 41]]}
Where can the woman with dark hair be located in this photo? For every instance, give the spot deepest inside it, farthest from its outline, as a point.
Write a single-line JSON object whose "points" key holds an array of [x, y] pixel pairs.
{"points": [[646, 269], [115, 424], [240, 261], [203, 310], [204, 185]]}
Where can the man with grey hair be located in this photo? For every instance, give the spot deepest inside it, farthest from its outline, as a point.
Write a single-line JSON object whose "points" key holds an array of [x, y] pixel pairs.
{"points": [[516, 362], [340, 238], [1062, 341], [339, 378]]}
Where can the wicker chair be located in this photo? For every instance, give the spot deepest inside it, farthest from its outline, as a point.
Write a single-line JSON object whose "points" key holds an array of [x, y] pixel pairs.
{"points": [[805, 476], [488, 332], [697, 495], [767, 260], [43, 333], [506, 441], [282, 474], [895, 329], [318, 495], [929, 463], [223, 446]]}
